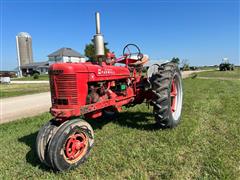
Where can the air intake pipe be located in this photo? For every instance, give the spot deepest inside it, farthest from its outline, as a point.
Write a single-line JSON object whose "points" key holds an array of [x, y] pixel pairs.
{"points": [[98, 38]]}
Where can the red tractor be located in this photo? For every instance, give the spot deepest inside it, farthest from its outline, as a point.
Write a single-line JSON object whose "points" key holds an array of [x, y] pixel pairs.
{"points": [[94, 89]]}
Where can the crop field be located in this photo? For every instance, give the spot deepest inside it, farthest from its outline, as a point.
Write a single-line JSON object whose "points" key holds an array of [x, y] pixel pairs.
{"points": [[205, 145], [10, 90]]}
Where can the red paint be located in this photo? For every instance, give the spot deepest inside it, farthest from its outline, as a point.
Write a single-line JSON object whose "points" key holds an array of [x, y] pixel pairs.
{"points": [[75, 146], [173, 96], [69, 84]]}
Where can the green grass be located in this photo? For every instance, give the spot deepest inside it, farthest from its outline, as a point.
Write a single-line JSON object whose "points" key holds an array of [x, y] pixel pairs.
{"points": [[207, 68], [221, 74], [206, 145], [10, 90], [43, 77]]}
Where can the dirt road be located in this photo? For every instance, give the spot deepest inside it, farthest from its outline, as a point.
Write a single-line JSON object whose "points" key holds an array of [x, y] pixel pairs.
{"points": [[31, 105], [186, 74], [24, 106]]}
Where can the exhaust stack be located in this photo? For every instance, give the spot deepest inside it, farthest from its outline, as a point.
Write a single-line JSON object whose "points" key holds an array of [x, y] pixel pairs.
{"points": [[98, 38], [97, 16]]}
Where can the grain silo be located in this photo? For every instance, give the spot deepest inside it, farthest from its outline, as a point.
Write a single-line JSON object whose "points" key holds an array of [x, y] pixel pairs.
{"points": [[24, 48]]}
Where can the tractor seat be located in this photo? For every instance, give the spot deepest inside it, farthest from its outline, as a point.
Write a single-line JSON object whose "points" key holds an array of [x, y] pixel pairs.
{"points": [[144, 60]]}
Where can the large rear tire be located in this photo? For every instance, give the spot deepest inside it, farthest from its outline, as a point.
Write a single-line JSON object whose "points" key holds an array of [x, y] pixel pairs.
{"points": [[70, 145], [168, 95]]}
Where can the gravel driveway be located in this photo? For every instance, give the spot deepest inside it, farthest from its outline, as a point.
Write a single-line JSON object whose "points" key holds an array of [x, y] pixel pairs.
{"points": [[24, 106]]}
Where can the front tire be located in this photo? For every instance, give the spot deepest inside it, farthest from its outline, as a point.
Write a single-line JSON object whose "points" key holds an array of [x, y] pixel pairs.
{"points": [[70, 145], [42, 141], [168, 94]]}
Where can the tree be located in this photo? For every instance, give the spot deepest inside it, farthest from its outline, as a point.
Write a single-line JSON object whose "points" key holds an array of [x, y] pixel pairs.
{"points": [[175, 60], [185, 65], [90, 51]]}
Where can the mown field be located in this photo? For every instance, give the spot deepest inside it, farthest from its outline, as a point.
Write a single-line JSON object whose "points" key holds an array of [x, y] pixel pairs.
{"points": [[206, 145], [10, 90], [43, 77], [221, 74]]}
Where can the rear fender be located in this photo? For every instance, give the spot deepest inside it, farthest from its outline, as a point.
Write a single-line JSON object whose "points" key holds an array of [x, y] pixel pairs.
{"points": [[154, 68]]}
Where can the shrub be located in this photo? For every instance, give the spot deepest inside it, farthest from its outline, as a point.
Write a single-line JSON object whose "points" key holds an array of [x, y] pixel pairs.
{"points": [[35, 76]]}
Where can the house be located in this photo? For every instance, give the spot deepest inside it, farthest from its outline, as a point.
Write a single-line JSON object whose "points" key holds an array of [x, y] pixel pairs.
{"points": [[66, 55], [36, 67], [61, 55]]}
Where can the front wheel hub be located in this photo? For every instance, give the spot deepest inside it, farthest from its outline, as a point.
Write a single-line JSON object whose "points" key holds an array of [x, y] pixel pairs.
{"points": [[75, 146]]}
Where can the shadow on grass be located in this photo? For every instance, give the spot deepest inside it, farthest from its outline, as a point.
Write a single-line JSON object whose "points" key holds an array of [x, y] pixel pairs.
{"points": [[31, 156], [135, 120]]}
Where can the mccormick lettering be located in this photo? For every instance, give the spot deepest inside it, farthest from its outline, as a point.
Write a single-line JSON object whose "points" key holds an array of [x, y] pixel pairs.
{"points": [[105, 72]]}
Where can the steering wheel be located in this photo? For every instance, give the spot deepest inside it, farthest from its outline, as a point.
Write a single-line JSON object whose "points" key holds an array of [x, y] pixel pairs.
{"points": [[138, 53]]}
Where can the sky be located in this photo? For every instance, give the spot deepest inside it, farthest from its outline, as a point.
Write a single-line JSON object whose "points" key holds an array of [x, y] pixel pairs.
{"points": [[201, 31]]}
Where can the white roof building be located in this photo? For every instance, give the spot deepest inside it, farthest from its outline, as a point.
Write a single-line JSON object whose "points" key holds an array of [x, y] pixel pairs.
{"points": [[66, 55]]}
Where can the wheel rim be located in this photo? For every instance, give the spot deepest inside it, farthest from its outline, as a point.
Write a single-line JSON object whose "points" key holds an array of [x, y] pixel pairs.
{"points": [[176, 97], [173, 96], [75, 147]]}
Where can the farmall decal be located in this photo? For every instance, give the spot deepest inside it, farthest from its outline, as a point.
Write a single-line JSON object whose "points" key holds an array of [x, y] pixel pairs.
{"points": [[105, 72]]}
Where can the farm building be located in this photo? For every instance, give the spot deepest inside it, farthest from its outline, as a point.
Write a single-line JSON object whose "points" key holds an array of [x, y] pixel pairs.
{"points": [[36, 67], [8, 74], [61, 55], [24, 48], [66, 55]]}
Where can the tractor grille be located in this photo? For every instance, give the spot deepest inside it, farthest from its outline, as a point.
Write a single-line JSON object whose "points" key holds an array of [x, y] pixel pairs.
{"points": [[64, 89]]}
